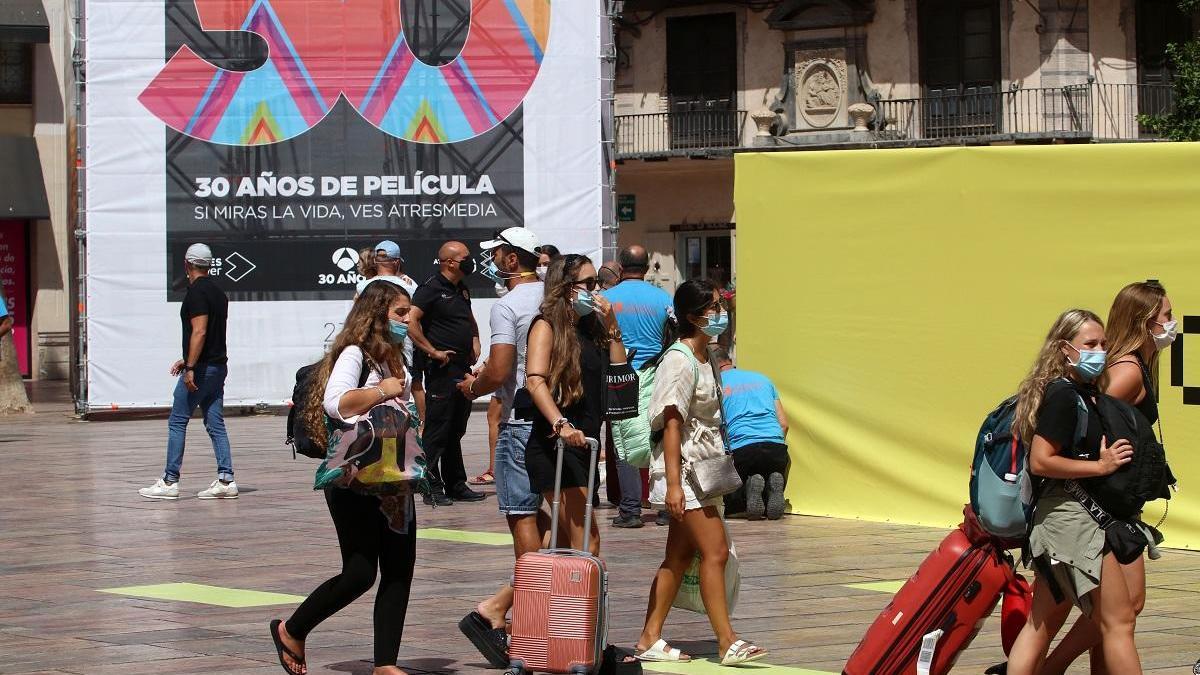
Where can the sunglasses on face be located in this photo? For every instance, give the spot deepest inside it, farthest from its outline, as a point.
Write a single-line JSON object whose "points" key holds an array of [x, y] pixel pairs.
{"points": [[589, 283]]}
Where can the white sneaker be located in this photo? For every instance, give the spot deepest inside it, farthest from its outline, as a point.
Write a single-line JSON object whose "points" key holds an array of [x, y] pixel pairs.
{"points": [[160, 490], [219, 490]]}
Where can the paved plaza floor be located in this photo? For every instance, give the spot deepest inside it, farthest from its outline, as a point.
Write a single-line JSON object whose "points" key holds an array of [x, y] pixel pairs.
{"points": [[94, 579]]}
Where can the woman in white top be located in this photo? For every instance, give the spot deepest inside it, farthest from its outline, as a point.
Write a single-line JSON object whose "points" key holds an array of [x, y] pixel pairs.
{"points": [[374, 533], [686, 408]]}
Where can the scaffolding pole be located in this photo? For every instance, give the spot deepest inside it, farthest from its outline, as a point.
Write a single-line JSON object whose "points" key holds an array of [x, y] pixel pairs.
{"points": [[608, 72], [78, 167]]}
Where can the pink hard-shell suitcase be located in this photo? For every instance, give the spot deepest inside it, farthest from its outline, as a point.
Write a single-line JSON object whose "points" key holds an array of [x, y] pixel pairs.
{"points": [[560, 599]]}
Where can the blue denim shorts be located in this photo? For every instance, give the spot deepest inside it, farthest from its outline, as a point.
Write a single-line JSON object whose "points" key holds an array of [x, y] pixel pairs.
{"points": [[513, 494]]}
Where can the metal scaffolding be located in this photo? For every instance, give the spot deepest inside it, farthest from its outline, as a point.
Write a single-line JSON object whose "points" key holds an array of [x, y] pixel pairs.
{"points": [[77, 176]]}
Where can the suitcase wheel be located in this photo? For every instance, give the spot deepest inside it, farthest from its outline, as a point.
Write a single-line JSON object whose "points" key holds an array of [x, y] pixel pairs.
{"points": [[516, 670]]}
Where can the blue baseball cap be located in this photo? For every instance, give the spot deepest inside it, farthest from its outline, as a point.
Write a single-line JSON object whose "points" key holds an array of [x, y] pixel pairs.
{"points": [[390, 248]]}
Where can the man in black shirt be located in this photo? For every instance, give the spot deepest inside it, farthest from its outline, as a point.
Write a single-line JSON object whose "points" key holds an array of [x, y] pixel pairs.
{"points": [[201, 372], [442, 326]]}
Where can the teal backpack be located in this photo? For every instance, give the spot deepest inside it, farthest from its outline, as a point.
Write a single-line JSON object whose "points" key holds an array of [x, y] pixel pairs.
{"points": [[1002, 488], [632, 437]]}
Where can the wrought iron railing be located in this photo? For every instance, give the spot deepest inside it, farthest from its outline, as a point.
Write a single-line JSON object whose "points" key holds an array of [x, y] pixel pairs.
{"points": [[1086, 111], [679, 132]]}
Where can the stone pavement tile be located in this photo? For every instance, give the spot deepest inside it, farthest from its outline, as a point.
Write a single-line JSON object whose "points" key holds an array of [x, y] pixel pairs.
{"points": [[158, 637], [192, 665], [72, 659]]}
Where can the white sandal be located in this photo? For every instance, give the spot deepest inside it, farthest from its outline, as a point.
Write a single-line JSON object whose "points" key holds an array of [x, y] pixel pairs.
{"points": [[742, 652], [661, 652]]}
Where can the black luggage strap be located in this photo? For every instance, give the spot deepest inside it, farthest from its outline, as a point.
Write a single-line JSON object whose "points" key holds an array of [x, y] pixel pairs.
{"points": [[1093, 508]]}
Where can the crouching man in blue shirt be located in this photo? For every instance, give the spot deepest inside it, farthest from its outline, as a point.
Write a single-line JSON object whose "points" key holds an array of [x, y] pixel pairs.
{"points": [[757, 431]]}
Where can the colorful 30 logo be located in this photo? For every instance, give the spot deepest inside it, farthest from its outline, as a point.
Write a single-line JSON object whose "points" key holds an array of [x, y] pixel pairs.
{"points": [[323, 49]]}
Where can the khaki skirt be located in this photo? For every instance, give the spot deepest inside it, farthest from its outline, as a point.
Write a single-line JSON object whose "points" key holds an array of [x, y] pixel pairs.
{"points": [[1070, 544]]}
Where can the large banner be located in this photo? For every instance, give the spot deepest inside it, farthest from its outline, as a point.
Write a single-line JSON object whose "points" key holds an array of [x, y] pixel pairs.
{"points": [[896, 296], [289, 134]]}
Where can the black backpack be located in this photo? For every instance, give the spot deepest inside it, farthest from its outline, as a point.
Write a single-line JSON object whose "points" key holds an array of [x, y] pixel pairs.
{"points": [[1145, 478], [297, 435]]}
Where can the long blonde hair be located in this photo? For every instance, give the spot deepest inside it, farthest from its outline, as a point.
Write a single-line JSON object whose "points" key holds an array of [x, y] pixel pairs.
{"points": [[1133, 308], [566, 377], [367, 327], [1050, 365]]}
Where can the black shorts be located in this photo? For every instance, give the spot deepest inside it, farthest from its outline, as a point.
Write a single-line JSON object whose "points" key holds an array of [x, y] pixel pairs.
{"points": [[540, 457]]}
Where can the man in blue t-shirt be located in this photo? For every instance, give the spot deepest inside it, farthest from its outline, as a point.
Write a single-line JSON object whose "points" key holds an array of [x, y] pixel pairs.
{"points": [[642, 311], [757, 429]]}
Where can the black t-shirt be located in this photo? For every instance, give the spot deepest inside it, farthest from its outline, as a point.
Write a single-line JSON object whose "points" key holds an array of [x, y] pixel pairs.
{"points": [[204, 298], [1058, 418], [446, 317], [587, 413]]}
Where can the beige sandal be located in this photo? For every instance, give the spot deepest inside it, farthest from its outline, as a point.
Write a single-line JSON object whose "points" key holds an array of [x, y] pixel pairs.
{"points": [[742, 652], [661, 652]]}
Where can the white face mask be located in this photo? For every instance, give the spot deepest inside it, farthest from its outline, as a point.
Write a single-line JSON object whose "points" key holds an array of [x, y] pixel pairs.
{"points": [[541, 272], [1163, 341]]}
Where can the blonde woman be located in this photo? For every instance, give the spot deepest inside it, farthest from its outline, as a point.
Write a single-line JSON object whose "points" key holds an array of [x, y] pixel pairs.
{"points": [[1140, 326], [1074, 557]]}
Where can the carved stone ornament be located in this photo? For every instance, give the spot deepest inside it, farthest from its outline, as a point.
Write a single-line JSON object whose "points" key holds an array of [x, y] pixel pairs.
{"points": [[861, 113], [763, 119], [820, 90]]}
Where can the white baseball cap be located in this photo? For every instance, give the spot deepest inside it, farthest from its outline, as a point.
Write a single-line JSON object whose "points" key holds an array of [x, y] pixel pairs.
{"points": [[517, 237], [199, 254]]}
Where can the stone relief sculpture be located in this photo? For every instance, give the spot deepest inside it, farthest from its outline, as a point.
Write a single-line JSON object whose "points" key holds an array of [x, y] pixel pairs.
{"points": [[821, 91]]}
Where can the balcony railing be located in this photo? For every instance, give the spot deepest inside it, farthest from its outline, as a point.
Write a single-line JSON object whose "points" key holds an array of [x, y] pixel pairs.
{"points": [[1090, 111], [679, 132]]}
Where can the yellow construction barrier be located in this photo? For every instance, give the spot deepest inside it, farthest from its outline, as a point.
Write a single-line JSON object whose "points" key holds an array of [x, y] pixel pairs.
{"points": [[896, 296]]}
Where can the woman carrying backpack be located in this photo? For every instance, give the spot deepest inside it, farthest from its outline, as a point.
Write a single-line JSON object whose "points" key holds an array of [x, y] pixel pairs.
{"points": [[686, 407], [1076, 561], [568, 345], [373, 532], [1140, 325]]}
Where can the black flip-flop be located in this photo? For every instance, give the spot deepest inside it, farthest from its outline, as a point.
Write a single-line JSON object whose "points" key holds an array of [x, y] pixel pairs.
{"points": [[281, 649], [492, 643]]}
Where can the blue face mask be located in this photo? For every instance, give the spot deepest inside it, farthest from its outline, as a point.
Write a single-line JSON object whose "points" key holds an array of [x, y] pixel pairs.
{"points": [[583, 303], [716, 325], [492, 272], [398, 330], [1090, 365]]}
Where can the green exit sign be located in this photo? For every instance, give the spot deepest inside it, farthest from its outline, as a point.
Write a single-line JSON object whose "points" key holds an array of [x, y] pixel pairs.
{"points": [[626, 207]]}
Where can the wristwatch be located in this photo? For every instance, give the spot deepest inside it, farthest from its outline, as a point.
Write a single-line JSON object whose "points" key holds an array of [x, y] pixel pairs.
{"points": [[186, 367]]}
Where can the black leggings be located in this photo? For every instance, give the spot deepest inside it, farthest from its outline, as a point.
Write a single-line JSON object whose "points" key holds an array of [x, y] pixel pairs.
{"points": [[366, 542]]}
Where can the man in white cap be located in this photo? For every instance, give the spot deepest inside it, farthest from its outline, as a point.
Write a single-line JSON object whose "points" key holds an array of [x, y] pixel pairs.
{"points": [[510, 258], [201, 372], [391, 268]]}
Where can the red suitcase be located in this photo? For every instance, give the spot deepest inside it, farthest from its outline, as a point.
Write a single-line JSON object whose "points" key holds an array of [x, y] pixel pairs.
{"points": [[560, 599], [954, 590]]}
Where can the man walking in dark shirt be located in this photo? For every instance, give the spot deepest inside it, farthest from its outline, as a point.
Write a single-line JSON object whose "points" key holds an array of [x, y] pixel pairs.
{"points": [[201, 384], [442, 327]]}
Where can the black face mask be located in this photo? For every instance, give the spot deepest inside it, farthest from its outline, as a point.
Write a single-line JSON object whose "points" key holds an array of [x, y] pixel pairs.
{"points": [[467, 266]]}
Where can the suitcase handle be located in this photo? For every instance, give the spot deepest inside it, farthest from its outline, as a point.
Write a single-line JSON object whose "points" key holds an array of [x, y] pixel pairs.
{"points": [[560, 446]]}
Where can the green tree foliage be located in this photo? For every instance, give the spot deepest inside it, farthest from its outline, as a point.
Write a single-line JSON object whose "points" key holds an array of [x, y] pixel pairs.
{"points": [[1183, 123]]}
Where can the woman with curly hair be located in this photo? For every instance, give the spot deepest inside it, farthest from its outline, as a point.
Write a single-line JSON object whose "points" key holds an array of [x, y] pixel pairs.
{"points": [[1076, 561], [374, 533]]}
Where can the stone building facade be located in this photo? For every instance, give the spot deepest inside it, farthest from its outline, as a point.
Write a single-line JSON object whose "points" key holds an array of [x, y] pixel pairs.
{"points": [[700, 80], [36, 184]]}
